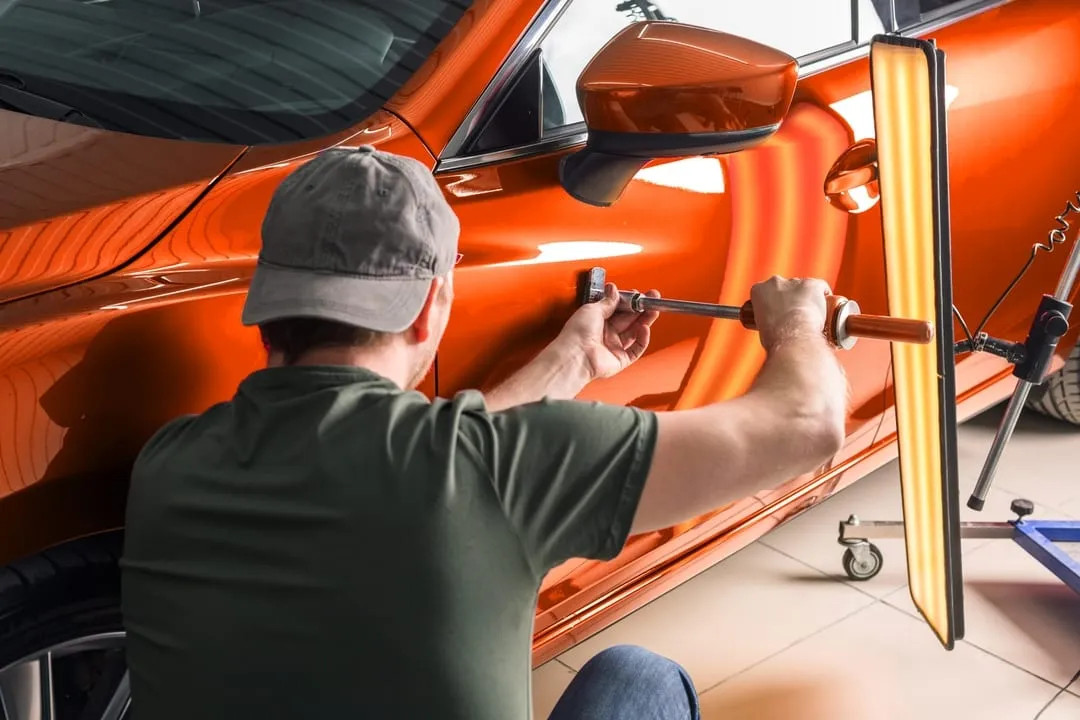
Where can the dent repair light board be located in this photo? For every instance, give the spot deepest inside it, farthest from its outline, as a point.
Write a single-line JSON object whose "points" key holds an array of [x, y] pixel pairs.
{"points": [[908, 87]]}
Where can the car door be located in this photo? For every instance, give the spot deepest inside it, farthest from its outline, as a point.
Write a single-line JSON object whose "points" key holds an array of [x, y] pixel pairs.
{"points": [[699, 229], [1010, 138]]}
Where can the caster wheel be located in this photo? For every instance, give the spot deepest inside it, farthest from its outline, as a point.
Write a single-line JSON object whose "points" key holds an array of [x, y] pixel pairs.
{"points": [[867, 567]]}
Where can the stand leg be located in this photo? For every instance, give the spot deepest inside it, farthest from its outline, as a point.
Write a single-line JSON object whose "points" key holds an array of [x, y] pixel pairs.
{"points": [[1004, 433]]}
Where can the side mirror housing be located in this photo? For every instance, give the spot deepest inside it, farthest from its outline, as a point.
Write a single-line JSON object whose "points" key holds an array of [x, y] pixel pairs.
{"points": [[664, 89]]}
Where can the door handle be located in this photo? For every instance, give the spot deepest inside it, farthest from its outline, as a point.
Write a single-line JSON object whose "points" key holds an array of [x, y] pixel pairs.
{"points": [[852, 182]]}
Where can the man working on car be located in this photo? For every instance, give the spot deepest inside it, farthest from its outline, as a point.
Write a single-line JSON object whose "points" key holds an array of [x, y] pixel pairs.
{"points": [[330, 543]]}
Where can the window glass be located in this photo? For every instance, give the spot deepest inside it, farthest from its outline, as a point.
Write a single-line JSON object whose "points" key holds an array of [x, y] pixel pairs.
{"points": [[797, 27], [891, 15], [238, 71]]}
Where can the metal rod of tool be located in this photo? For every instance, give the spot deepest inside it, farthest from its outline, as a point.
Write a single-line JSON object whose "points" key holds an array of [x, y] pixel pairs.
{"points": [[640, 303], [1020, 395]]}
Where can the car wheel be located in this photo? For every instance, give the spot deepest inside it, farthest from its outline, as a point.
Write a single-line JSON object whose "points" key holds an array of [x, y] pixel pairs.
{"points": [[61, 634], [1059, 396]]}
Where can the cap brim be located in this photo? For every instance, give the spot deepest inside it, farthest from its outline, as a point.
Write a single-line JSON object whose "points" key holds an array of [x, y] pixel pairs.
{"points": [[383, 305]]}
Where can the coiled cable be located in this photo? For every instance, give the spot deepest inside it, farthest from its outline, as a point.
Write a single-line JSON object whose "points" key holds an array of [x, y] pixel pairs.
{"points": [[1055, 237]]}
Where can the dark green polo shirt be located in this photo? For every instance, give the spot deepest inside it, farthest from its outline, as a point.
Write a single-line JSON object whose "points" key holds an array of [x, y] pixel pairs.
{"points": [[325, 545]]}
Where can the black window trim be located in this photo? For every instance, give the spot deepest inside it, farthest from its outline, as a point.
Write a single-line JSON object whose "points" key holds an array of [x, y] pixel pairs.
{"points": [[454, 159]]}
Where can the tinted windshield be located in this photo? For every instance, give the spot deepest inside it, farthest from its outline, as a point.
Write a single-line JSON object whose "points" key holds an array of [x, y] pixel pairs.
{"points": [[238, 71]]}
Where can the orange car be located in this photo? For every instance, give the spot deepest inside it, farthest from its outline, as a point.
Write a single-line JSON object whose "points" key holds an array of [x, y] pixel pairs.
{"points": [[140, 142]]}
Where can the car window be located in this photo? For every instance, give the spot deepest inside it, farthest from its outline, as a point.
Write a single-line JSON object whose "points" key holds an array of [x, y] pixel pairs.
{"points": [[238, 71], [891, 15], [797, 27]]}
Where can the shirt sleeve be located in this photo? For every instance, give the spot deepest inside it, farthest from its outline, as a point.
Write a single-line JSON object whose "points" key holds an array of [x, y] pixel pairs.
{"points": [[569, 474]]}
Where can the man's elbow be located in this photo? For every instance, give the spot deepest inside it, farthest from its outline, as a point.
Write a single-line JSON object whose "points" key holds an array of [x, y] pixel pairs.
{"points": [[823, 435], [814, 429]]}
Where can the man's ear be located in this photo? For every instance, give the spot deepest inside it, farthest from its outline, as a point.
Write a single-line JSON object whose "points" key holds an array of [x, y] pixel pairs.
{"points": [[422, 327]]}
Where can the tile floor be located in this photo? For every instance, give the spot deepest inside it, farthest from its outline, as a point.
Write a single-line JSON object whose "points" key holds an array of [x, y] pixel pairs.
{"points": [[778, 631]]}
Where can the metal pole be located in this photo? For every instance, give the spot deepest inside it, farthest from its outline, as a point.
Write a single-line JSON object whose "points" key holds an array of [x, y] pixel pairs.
{"points": [[1020, 395], [1004, 433], [640, 302]]}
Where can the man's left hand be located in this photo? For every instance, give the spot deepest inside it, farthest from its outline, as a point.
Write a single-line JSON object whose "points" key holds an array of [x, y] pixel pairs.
{"points": [[609, 339]]}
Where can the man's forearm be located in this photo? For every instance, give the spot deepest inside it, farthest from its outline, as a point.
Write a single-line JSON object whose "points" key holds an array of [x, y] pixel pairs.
{"points": [[554, 373], [803, 377]]}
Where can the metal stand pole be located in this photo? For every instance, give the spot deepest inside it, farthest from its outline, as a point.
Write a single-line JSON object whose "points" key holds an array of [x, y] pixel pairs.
{"points": [[1020, 394]]}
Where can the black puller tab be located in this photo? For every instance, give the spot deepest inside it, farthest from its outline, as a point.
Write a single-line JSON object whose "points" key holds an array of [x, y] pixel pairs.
{"points": [[1050, 324]]}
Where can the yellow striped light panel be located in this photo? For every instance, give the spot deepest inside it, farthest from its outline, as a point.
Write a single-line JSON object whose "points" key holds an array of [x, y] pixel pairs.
{"points": [[907, 78]]}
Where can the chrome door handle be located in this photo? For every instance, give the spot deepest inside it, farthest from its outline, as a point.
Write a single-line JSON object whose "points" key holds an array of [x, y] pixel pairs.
{"points": [[852, 182]]}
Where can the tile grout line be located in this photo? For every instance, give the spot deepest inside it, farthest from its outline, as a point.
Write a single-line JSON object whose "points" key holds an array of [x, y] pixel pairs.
{"points": [[1075, 677], [983, 650], [558, 659], [1047, 705], [788, 647], [1010, 662], [845, 583]]}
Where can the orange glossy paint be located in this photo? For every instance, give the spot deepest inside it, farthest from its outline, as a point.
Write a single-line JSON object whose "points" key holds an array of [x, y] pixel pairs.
{"points": [[141, 324], [87, 373], [76, 202], [658, 77]]}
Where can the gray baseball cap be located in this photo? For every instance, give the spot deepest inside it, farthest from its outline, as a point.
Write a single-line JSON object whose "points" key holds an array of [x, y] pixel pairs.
{"points": [[356, 236]]}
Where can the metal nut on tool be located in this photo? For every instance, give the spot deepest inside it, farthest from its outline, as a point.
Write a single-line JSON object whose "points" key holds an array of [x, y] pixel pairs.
{"points": [[837, 325]]}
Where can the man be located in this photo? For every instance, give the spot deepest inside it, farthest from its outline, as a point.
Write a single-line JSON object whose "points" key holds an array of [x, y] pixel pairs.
{"points": [[329, 543]]}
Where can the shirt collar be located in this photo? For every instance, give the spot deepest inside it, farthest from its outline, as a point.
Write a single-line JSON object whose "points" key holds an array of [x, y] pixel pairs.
{"points": [[312, 377]]}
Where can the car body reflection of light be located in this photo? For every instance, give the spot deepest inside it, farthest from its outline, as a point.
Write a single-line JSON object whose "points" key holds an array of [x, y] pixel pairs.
{"points": [[696, 174], [575, 250]]}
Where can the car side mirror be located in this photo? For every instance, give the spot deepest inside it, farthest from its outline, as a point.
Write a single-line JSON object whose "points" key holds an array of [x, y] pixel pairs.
{"points": [[664, 89]]}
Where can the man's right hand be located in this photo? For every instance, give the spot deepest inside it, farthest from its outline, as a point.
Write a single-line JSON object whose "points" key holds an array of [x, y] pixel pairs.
{"points": [[786, 308]]}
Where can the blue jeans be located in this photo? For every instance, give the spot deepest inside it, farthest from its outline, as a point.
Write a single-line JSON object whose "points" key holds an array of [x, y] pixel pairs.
{"points": [[627, 682]]}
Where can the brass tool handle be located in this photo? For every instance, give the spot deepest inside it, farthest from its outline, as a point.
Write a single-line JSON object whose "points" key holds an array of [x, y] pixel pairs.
{"points": [[845, 323], [882, 327]]}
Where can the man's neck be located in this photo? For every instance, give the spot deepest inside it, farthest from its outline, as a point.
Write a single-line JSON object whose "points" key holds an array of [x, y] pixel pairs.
{"points": [[388, 362]]}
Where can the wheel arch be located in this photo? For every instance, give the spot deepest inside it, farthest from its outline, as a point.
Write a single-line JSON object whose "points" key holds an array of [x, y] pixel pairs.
{"points": [[56, 512]]}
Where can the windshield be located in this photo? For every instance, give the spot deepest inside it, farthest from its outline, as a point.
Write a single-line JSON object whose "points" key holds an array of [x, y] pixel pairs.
{"points": [[238, 71]]}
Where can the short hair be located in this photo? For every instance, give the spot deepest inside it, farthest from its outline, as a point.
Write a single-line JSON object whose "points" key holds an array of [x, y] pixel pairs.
{"points": [[295, 337]]}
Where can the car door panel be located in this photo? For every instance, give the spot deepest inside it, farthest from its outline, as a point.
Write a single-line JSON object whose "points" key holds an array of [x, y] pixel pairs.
{"points": [[518, 280], [1010, 140]]}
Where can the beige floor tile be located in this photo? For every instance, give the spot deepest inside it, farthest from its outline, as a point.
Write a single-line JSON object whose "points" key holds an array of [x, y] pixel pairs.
{"points": [[747, 607], [1065, 707], [877, 665], [1039, 463], [1071, 509], [811, 537], [1018, 610], [1075, 687], [549, 681]]}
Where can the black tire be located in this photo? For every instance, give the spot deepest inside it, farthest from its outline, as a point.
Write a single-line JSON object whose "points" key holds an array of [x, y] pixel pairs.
{"points": [[66, 594], [1059, 396]]}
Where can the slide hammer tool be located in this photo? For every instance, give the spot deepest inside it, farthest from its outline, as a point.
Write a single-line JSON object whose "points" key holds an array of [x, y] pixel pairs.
{"points": [[844, 324]]}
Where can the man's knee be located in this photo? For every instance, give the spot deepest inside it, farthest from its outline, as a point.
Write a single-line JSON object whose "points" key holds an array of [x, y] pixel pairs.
{"points": [[631, 659], [638, 669]]}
